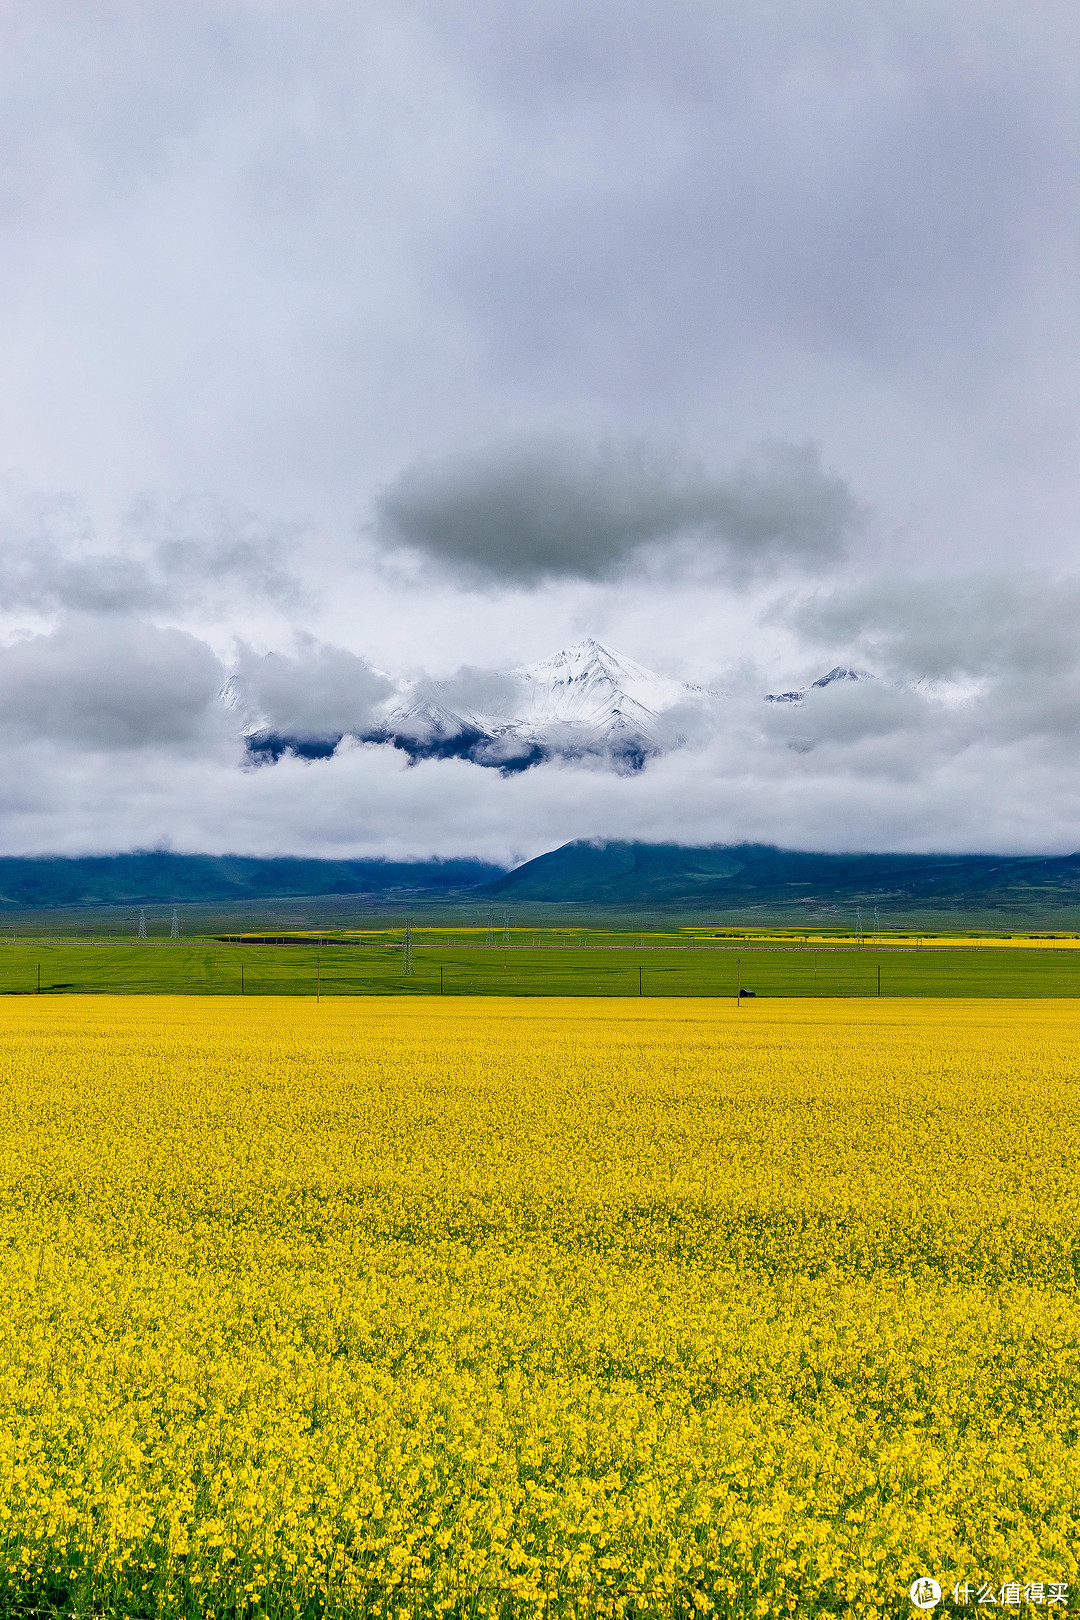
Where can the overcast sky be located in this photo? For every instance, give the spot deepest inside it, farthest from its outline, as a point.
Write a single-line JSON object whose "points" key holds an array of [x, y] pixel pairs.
{"points": [[401, 337]]}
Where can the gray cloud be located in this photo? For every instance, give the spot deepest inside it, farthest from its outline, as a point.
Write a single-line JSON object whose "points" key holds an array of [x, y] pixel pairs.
{"points": [[173, 556], [108, 685], [315, 694], [914, 787], [847, 714], [970, 662], [977, 625], [113, 737], [553, 508]]}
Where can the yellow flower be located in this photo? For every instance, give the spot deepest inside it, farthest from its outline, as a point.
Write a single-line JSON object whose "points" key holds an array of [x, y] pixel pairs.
{"points": [[770, 1311]]}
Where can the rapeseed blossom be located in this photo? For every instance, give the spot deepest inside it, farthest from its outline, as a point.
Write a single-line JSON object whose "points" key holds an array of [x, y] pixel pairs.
{"points": [[626, 1308]]}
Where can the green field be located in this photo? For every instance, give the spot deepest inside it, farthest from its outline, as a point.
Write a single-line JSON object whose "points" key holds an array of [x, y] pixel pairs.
{"points": [[199, 967]]}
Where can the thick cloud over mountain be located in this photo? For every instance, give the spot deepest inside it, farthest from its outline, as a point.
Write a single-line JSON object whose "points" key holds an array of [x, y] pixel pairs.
{"points": [[358, 358], [559, 509], [316, 693], [187, 555], [99, 686]]}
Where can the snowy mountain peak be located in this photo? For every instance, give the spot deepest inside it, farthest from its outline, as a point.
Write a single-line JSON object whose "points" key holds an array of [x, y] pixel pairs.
{"points": [[583, 700], [593, 687], [584, 660], [839, 672], [587, 701]]}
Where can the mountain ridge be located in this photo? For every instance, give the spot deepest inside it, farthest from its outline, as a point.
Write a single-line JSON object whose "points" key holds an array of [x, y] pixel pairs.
{"points": [[586, 701], [748, 877], [156, 877], [744, 879]]}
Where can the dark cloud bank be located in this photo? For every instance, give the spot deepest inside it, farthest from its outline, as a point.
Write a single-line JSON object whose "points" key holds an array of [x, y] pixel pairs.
{"points": [[557, 509]]}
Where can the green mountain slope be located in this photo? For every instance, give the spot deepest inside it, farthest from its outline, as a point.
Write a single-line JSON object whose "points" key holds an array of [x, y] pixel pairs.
{"points": [[32, 883], [738, 877]]}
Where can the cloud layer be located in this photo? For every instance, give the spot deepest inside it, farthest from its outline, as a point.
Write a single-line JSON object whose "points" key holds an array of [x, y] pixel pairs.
{"points": [[315, 693], [186, 554], [98, 686], [556, 508], [116, 736]]}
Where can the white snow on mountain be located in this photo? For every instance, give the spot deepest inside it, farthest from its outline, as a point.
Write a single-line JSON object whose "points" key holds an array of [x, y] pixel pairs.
{"points": [[839, 673], [585, 702], [587, 699]]}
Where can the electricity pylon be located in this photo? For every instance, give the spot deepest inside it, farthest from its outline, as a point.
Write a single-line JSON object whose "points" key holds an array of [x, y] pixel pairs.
{"points": [[174, 932], [142, 925], [406, 954]]}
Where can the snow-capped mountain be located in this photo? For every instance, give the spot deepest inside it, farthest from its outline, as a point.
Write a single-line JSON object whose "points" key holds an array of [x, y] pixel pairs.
{"points": [[839, 673], [587, 702], [597, 692], [587, 699]]}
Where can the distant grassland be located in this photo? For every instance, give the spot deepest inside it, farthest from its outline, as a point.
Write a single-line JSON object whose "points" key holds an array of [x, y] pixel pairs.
{"points": [[535, 963], [478, 1308]]}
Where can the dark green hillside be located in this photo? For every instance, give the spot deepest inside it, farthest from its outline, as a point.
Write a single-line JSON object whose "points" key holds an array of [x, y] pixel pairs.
{"points": [[751, 883], [759, 878], [157, 877]]}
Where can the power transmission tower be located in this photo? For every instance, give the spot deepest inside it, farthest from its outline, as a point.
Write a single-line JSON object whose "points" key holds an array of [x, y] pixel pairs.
{"points": [[174, 932], [142, 925], [490, 940], [877, 926], [858, 922], [406, 954], [506, 929]]}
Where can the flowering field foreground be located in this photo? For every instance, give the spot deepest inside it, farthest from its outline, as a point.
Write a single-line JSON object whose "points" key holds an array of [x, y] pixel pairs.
{"points": [[658, 1307]]}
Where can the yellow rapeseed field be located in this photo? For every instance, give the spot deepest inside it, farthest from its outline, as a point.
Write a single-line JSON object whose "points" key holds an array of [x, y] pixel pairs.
{"points": [[658, 1307]]}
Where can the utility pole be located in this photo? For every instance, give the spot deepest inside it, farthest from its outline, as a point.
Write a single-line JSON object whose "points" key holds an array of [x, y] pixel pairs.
{"points": [[318, 976], [738, 982], [440, 981], [639, 989]]}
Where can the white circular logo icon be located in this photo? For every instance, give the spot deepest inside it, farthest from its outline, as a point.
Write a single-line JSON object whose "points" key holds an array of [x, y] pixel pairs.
{"points": [[925, 1592]]}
